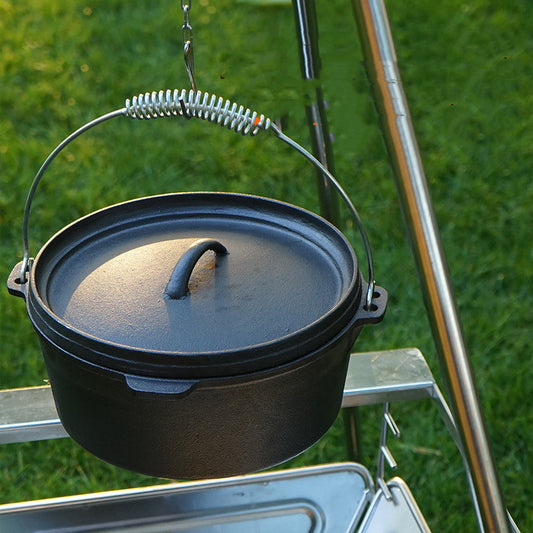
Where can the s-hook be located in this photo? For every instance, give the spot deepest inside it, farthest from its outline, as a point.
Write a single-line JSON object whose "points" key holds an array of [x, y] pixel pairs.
{"points": [[186, 31]]}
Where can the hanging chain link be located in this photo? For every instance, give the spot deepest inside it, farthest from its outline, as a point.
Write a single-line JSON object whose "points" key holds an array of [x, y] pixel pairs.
{"points": [[186, 31]]}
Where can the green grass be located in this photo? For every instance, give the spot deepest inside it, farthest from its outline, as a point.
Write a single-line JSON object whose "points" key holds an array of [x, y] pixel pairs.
{"points": [[467, 71]]}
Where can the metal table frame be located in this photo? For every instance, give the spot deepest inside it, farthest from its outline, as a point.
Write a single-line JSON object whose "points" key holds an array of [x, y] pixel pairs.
{"points": [[29, 414]]}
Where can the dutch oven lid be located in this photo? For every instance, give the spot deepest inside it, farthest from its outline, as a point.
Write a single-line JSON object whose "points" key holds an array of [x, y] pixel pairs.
{"points": [[113, 285]]}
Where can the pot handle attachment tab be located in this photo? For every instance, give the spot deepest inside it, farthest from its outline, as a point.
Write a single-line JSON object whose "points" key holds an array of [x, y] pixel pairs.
{"points": [[188, 104], [14, 285], [177, 286]]}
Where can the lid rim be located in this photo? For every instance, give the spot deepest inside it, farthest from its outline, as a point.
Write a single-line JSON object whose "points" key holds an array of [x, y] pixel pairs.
{"points": [[253, 357]]}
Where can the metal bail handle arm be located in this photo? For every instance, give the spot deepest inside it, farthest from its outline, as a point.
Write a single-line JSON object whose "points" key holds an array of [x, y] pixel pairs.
{"points": [[209, 107]]}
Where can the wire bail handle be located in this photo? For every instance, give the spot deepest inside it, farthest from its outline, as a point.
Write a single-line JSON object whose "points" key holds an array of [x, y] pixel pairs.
{"points": [[188, 104]]}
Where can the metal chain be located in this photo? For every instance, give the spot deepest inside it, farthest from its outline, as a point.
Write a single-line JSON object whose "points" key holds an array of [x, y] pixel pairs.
{"points": [[186, 31]]}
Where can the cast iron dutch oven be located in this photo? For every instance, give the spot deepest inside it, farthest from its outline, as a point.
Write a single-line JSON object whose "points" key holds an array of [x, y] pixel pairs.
{"points": [[197, 335]]}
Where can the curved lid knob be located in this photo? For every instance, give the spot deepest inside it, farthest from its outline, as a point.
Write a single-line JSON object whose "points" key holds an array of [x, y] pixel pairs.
{"points": [[178, 285]]}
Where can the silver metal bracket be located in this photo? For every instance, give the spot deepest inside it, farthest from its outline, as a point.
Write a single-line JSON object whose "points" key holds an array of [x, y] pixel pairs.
{"points": [[29, 414]]}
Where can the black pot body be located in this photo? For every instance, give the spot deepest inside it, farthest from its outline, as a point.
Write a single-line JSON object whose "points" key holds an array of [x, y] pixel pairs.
{"points": [[209, 428], [201, 415]]}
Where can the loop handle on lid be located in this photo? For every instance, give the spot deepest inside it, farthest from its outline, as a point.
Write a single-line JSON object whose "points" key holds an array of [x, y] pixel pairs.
{"points": [[177, 286]]}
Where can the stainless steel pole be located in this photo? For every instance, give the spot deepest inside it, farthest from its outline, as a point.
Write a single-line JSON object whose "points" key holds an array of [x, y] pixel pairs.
{"points": [[307, 36], [382, 69]]}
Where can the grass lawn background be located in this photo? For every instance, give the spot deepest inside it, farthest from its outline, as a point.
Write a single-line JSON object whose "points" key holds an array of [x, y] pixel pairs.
{"points": [[467, 69]]}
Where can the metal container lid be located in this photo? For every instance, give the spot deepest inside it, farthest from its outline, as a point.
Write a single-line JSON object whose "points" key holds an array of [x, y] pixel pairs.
{"points": [[111, 285]]}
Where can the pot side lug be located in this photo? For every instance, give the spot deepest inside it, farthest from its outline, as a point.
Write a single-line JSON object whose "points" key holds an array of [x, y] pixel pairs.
{"points": [[14, 286], [377, 311]]}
